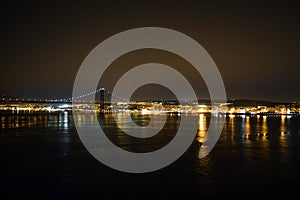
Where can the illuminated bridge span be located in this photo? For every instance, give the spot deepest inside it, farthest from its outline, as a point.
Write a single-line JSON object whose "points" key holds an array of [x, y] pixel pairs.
{"points": [[64, 100], [79, 97], [63, 104], [81, 103]]}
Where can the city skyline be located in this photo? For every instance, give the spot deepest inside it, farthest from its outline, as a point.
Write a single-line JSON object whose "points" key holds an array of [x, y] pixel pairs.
{"points": [[254, 45]]}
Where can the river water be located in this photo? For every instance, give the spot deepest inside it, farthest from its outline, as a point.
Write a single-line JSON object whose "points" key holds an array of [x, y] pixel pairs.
{"points": [[42, 157]]}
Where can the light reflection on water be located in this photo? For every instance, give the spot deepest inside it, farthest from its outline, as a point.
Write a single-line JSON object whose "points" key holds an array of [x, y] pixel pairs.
{"points": [[59, 120], [253, 154], [248, 129], [202, 128], [247, 132]]}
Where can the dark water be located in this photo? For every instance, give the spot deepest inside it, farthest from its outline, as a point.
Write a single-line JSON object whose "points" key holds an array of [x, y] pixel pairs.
{"points": [[42, 157]]}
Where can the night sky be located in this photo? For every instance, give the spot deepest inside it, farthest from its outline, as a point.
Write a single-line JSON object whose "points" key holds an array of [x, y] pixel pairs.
{"points": [[255, 44]]}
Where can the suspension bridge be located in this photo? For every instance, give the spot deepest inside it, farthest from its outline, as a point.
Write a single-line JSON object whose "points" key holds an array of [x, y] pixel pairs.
{"points": [[78, 98], [80, 102]]}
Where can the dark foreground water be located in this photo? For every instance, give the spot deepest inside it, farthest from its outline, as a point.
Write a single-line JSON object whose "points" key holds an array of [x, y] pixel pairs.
{"points": [[42, 157]]}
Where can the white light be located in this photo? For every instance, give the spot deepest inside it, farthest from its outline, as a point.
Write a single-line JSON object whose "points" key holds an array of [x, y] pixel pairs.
{"points": [[144, 111], [64, 106]]}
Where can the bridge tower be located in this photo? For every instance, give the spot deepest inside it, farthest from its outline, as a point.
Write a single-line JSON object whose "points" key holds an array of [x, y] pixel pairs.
{"points": [[102, 100]]}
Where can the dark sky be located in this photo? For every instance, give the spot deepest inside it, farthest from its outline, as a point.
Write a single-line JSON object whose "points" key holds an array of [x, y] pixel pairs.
{"points": [[255, 44]]}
